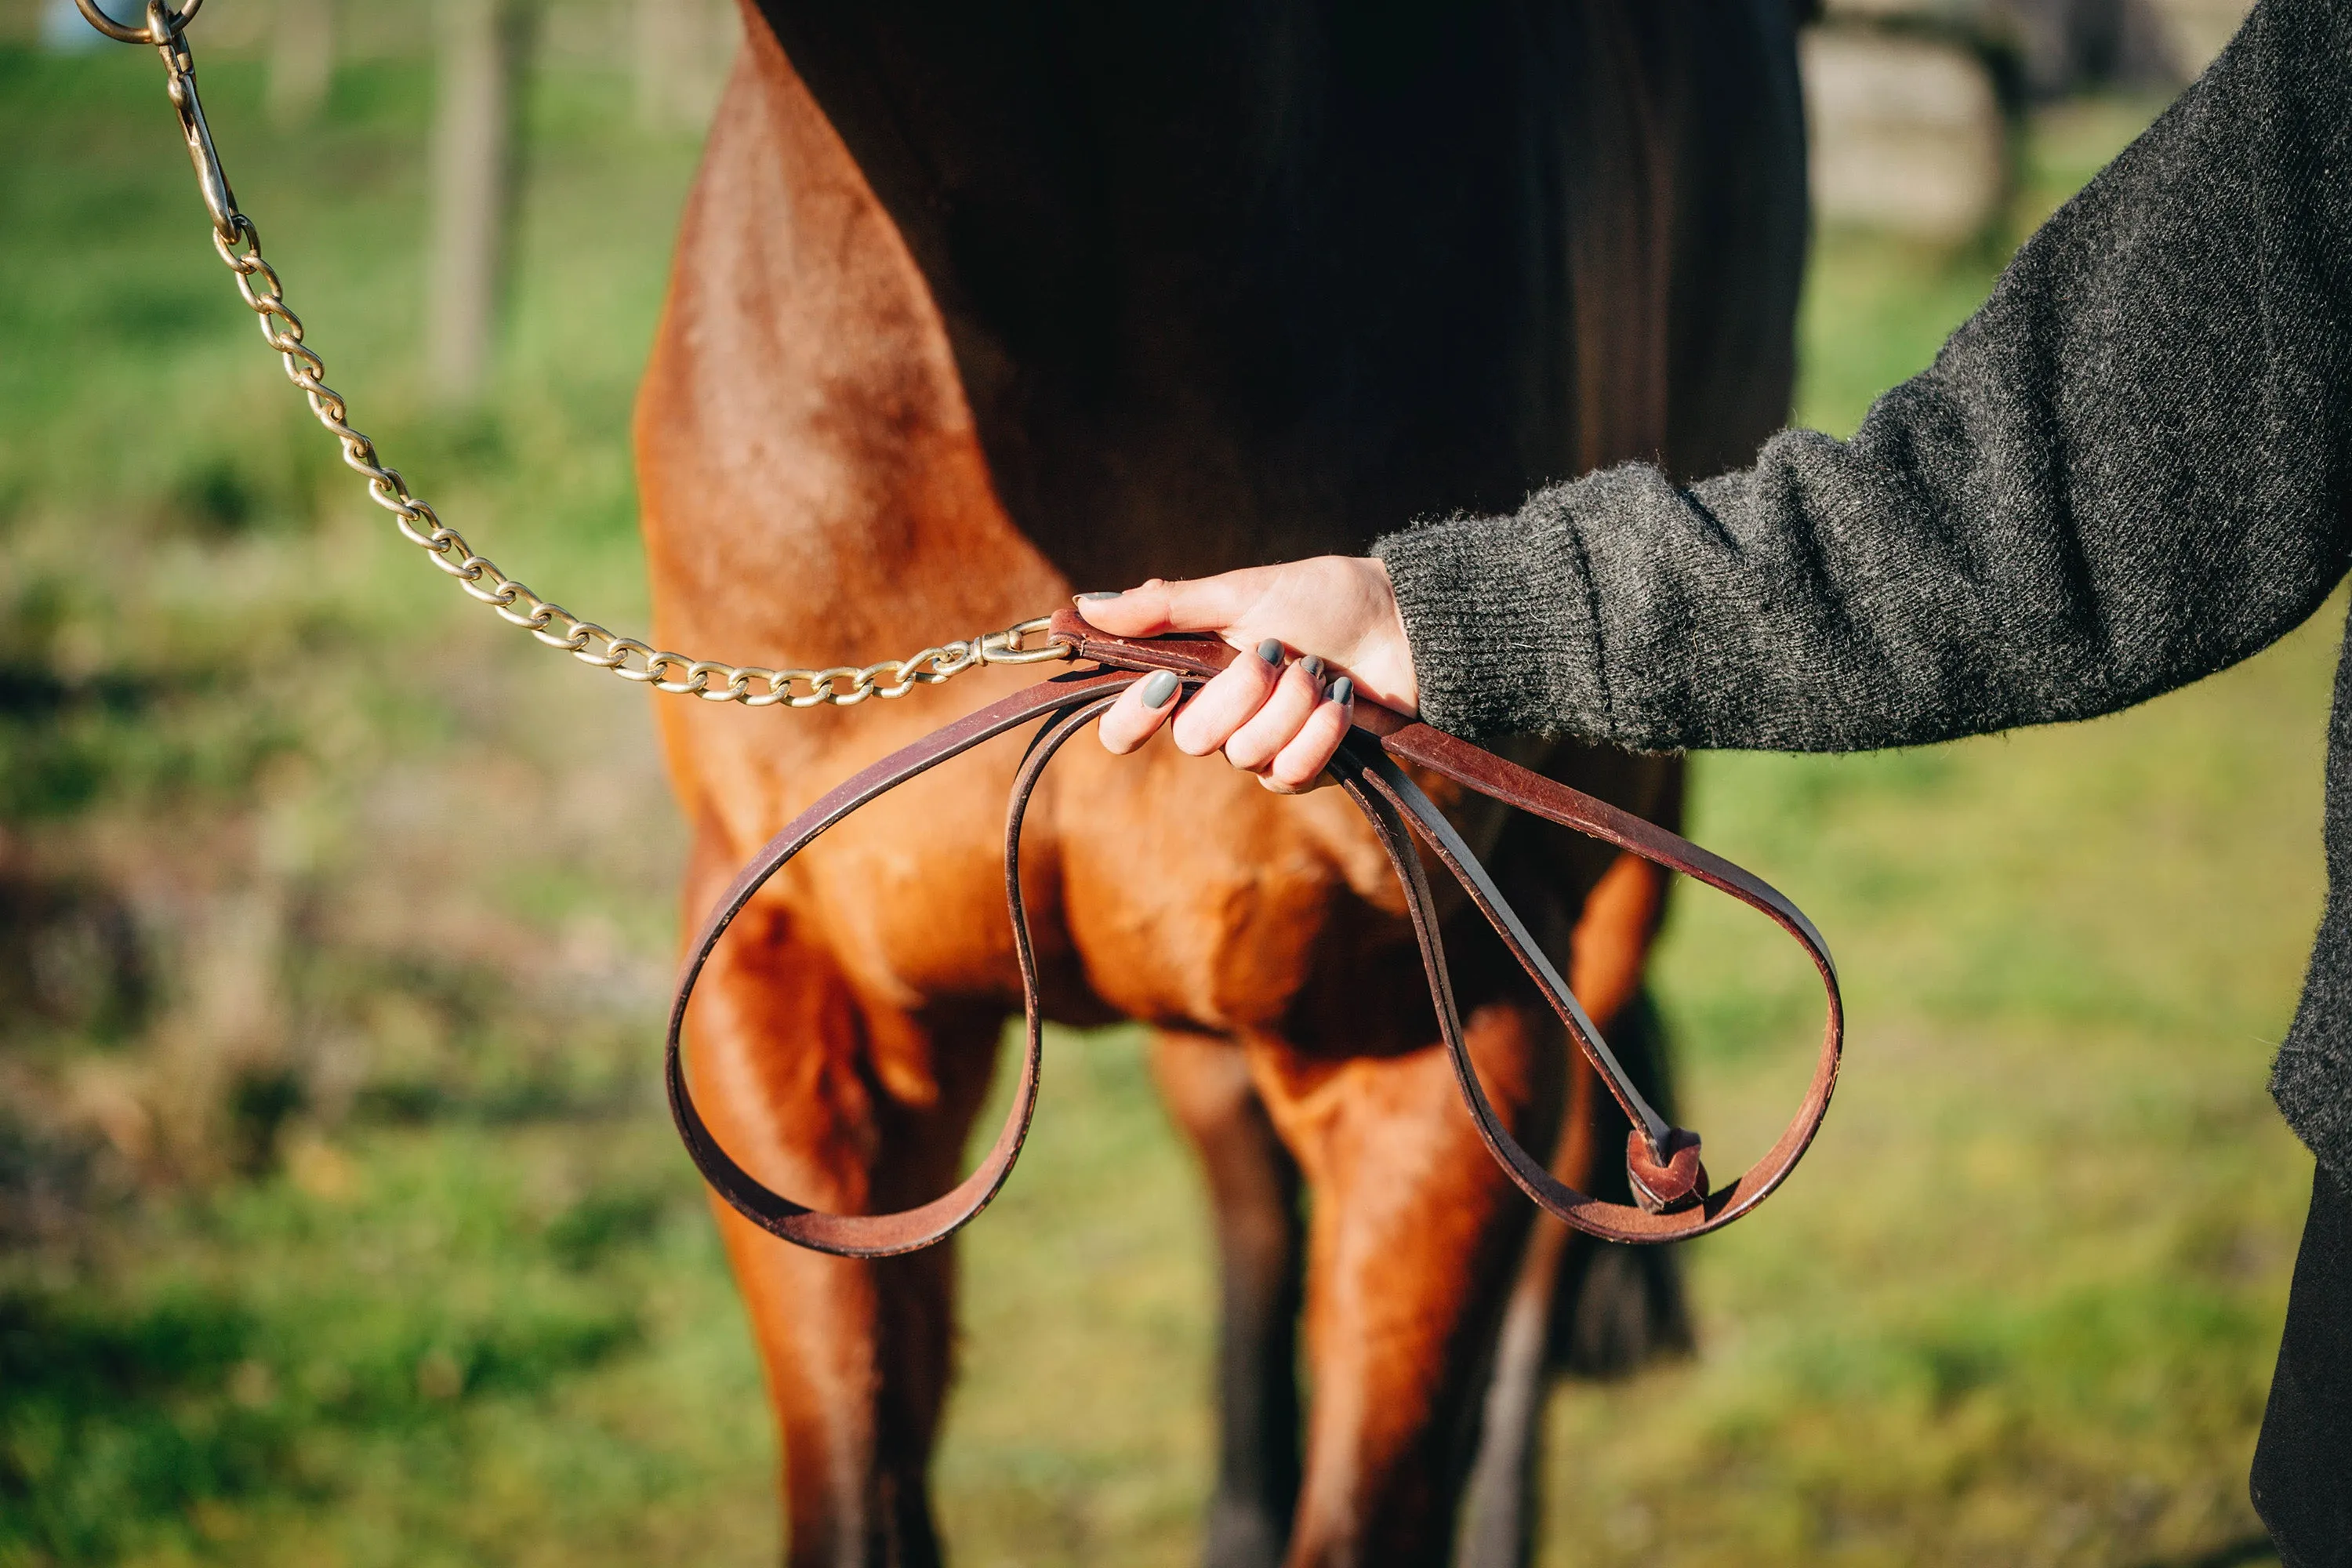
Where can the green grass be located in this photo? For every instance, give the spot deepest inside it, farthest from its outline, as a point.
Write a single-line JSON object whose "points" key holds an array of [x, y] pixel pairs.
{"points": [[366, 1240]]}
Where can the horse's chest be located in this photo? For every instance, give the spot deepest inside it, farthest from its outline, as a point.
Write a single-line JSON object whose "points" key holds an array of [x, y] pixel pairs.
{"points": [[1161, 887]]}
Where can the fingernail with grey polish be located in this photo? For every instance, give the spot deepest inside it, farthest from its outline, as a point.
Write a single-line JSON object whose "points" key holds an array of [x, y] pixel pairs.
{"points": [[1159, 687], [1313, 665], [1343, 691], [1098, 594], [1270, 650]]}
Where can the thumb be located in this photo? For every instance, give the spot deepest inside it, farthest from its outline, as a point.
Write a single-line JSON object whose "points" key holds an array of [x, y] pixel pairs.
{"points": [[1203, 604]]}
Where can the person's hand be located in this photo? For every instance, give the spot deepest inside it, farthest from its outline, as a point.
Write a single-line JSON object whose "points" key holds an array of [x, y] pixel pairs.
{"points": [[1277, 716]]}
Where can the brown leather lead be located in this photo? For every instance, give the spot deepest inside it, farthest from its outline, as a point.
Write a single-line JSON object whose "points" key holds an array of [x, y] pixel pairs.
{"points": [[1662, 1159]]}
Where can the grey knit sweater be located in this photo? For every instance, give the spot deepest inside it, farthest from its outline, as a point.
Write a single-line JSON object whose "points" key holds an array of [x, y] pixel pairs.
{"points": [[2128, 470]]}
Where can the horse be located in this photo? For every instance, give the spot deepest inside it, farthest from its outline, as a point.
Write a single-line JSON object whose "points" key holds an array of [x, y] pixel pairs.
{"points": [[974, 305]]}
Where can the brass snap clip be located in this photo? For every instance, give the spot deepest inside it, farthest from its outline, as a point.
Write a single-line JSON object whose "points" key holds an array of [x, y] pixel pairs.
{"points": [[162, 24]]}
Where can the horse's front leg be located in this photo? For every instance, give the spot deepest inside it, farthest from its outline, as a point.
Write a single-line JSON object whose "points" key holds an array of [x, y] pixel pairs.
{"points": [[1591, 1307], [1254, 1196], [1413, 1233], [851, 1108]]}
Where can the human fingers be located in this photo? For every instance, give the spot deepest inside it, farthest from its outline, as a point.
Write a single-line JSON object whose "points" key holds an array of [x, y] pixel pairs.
{"points": [[1139, 712], [1341, 607], [1299, 765], [1228, 700], [1298, 693]]}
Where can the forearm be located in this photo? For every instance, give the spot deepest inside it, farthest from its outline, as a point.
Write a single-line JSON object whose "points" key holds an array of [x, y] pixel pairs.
{"points": [[2126, 471]]}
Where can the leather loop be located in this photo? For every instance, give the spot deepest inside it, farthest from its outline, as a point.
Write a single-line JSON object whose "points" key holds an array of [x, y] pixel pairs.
{"points": [[1674, 1197], [1678, 1183], [908, 1230]]}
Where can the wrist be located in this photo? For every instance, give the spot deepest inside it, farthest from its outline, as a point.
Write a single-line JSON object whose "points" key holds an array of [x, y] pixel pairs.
{"points": [[1383, 655]]}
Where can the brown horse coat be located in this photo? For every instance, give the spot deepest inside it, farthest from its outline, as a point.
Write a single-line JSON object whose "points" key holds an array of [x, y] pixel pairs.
{"points": [[974, 304]]}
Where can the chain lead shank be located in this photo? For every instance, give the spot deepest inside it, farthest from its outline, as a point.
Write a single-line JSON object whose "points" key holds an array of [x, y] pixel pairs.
{"points": [[239, 244]]}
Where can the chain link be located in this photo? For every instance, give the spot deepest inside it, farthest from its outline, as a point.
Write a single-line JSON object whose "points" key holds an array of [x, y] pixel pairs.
{"points": [[239, 244]]}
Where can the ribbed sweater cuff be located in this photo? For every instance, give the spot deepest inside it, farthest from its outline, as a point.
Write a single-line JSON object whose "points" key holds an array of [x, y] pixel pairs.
{"points": [[1499, 614]]}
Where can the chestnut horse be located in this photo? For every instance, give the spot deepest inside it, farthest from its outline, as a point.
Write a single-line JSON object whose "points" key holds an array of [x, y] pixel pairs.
{"points": [[978, 303]]}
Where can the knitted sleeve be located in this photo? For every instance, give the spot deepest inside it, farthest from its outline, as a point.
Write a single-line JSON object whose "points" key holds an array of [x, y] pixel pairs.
{"points": [[2126, 471]]}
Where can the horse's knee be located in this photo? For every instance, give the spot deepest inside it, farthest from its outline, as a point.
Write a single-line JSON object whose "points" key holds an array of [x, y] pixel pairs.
{"points": [[1413, 1233], [856, 1354]]}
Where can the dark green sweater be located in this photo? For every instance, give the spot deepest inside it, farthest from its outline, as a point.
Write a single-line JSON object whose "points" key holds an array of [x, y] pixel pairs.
{"points": [[2128, 470]]}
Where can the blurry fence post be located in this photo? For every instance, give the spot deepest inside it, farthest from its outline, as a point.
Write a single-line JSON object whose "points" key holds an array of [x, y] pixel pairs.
{"points": [[1910, 129], [301, 59], [472, 168], [681, 50]]}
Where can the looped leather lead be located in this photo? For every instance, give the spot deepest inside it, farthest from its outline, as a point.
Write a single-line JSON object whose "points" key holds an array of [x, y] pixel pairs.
{"points": [[1674, 1197]]}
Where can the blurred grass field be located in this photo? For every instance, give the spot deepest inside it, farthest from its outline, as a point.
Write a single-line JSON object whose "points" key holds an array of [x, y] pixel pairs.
{"points": [[340, 1221]]}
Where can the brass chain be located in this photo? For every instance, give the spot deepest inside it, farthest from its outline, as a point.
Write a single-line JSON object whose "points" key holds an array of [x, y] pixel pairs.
{"points": [[239, 244]]}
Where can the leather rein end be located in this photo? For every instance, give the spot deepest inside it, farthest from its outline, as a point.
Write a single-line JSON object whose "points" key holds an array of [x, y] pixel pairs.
{"points": [[1674, 1197]]}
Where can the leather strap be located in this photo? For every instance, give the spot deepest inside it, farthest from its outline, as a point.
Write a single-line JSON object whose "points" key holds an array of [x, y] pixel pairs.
{"points": [[1662, 1159]]}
